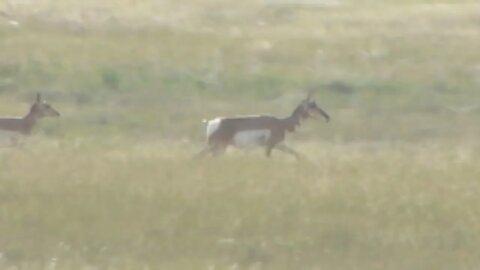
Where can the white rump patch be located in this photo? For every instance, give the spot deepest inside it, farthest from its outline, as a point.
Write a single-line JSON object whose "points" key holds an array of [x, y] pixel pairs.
{"points": [[213, 125], [251, 138]]}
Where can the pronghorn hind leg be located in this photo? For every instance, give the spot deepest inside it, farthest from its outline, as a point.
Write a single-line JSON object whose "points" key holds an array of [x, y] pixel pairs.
{"points": [[213, 149], [218, 149], [202, 153]]}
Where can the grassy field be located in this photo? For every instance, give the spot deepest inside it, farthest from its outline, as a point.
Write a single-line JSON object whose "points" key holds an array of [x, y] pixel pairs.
{"points": [[391, 183]]}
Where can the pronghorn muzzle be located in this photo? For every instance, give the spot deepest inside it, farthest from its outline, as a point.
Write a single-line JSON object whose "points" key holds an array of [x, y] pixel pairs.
{"points": [[323, 113]]}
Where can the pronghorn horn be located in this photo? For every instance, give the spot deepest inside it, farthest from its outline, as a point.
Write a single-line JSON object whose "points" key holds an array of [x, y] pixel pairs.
{"points": [[309, 95]]}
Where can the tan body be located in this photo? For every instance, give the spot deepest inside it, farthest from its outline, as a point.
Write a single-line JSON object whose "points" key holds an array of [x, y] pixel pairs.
{"points": [[14, 126], [22, 125], [264, 131]]}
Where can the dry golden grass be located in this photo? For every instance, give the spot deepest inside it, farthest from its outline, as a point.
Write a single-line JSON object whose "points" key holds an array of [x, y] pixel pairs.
{"points": [[365, 206]]}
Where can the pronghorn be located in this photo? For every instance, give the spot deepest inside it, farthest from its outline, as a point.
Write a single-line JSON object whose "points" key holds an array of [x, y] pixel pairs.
{"points": [[258, 130], [15, 126]]}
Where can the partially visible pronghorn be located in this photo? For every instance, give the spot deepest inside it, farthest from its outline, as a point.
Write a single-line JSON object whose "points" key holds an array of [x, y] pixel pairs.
{"points": [[15, 126], [258, 130]]}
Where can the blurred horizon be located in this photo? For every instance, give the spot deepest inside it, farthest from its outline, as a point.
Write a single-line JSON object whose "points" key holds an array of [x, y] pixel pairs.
{"points": [[415, 63]]}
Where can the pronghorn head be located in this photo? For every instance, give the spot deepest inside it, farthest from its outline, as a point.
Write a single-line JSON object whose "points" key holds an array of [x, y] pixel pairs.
{"points": [[40, 108], [311, 109]]}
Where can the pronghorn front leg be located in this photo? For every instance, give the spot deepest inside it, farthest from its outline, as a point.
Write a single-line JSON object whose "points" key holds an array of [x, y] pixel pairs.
{"points": [[268, 149], [276, 138], [284, 148], [17, 141]]}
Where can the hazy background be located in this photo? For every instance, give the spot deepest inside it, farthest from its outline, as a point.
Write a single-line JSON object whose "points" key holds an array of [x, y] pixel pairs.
{"points": [[392, 181]]}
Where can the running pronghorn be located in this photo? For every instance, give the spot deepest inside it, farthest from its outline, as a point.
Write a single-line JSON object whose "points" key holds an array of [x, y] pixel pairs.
{"points": [[12, 127], [258, 130]]}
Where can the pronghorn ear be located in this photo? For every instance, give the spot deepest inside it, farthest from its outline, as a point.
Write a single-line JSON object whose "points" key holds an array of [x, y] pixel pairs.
{"points": [[39, 97]]}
